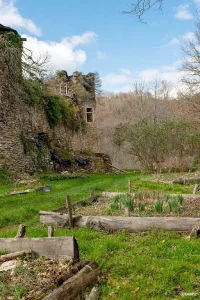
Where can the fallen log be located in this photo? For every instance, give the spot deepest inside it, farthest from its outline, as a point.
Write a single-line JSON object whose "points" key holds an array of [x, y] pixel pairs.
{"points": [[137, 224], [94, 295], [66, 275], [59, 248], [54, 218], [114, 194], [77, 204], [71, 288], [45, 188], [186, 181], [13, 255]]}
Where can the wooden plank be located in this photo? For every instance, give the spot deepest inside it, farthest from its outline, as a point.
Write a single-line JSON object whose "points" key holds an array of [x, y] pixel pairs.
{"points": [[60, 247]]}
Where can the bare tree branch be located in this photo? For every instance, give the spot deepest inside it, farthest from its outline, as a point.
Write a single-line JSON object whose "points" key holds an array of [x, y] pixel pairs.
{"points": [[142, 6]]}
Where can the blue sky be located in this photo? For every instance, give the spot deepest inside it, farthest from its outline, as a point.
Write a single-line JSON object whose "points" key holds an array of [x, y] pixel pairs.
{"points": [[91, 36]]}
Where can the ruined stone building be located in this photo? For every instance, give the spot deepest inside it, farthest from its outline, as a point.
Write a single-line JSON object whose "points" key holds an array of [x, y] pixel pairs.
{"points": [[22, 125]]}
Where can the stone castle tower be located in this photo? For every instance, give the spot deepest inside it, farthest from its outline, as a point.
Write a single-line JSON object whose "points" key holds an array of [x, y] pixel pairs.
{"points": [[81, 89]]}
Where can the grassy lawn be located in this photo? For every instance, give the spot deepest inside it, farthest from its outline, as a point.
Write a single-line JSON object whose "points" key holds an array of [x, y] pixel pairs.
{"points": [[153, 265]]}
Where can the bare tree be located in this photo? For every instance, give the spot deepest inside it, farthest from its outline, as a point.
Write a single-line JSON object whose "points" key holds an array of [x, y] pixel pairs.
{"points": [[97, 83], [140, 7]]}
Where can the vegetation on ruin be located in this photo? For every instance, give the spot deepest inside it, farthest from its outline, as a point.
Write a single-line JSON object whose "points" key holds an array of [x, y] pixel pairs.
{"points": [[153, 265]]}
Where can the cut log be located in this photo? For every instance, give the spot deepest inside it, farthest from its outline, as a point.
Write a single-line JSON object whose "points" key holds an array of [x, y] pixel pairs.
{"points": [[66, 275], [186, 181], [71, 288], [14, 255], [137, 224], [94, 295], [59, 248], [21, 231], [77, 204], [54, 219], [42, 188]]}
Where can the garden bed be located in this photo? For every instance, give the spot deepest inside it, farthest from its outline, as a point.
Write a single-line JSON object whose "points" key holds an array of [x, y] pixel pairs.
{"points": [[144, 204]]}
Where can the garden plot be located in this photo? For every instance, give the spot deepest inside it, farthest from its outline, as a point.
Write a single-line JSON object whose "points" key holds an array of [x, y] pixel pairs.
{"points": [[144, 204]]}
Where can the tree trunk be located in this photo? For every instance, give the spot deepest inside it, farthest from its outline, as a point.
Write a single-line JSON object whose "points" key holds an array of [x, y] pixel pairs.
{"points": [[137, 224], [70, 289]]}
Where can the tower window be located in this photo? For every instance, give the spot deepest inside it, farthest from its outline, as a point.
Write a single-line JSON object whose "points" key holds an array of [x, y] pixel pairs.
{"points": [[89, 114]]}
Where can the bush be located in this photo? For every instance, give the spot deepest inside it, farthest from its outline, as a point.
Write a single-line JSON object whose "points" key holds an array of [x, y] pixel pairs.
{"points": [[4, 176], [153, 142], [53, 110], [34, 91]]}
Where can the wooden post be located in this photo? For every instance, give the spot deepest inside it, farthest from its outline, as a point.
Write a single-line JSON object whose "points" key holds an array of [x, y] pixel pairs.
{"points": [[21, 231], [129, 186], [68, 205], [91, 193], [127, 212], [50, 231], [196, 187]]}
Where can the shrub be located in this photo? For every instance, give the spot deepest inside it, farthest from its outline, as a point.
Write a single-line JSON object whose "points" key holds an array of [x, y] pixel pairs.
{"points": [[152, 142], [53, 110], [4, 176]]}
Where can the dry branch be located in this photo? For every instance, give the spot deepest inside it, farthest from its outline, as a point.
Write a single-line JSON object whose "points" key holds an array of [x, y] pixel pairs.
{"points": [[14, 255]]}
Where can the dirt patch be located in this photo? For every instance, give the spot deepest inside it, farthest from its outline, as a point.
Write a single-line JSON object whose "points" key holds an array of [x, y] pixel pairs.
{"points": [[32, 278]]}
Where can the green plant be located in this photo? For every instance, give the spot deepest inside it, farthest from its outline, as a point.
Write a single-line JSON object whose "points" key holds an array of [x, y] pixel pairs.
{"points": [[3, 251], [141, 206], [180, 199], [174, 204], [129, 203], [53, 110], [4, 175], [122, 200], [164, 139], [158, 206]]}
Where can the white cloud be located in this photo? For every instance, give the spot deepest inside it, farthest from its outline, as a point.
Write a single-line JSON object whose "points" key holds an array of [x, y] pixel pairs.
{"points": [[114, 79], [10, 16], [126, 71], [189, 35], [183, 12], [64, 54], [102, 55], [197, 2], [174, 42]]}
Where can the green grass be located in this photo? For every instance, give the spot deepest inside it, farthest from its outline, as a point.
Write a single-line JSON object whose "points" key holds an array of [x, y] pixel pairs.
{"points": [[153, 265]]}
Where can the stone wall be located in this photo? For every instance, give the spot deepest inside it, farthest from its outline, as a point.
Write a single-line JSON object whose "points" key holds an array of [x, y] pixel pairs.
{"points": [[20, 123]]}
